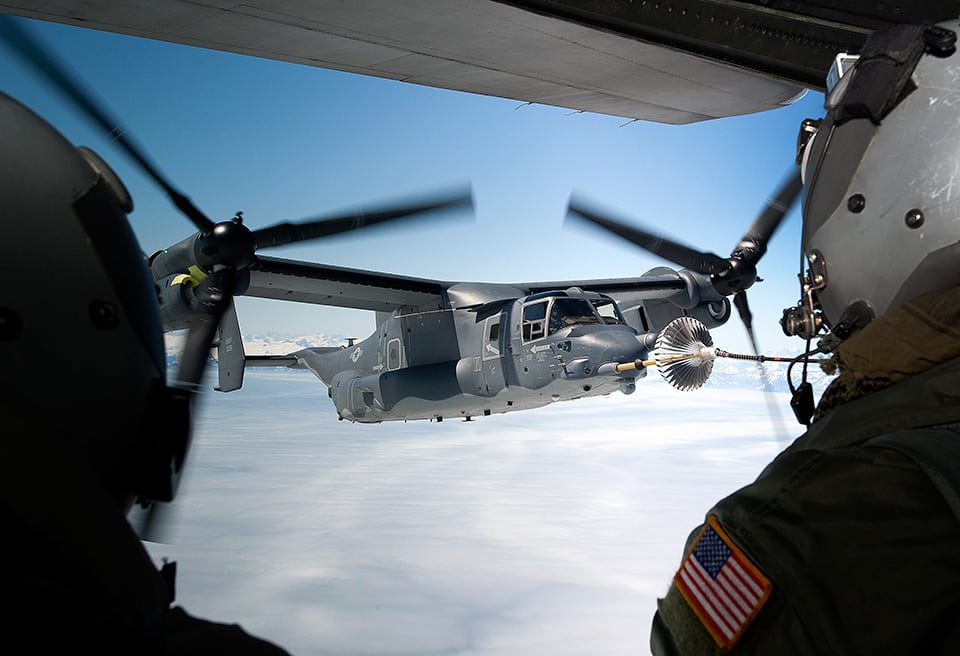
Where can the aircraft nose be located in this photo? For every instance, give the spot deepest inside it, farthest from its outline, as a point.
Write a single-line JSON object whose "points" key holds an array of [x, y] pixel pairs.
{"points": [[598, 353], [618, 346]]}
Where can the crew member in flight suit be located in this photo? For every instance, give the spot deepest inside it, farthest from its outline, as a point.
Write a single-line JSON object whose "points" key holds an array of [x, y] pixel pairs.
{"points": [[87, 422], [847, 543]]}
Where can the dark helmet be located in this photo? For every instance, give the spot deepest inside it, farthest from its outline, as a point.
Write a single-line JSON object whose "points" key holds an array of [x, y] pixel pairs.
{"points": [[81, 344]]}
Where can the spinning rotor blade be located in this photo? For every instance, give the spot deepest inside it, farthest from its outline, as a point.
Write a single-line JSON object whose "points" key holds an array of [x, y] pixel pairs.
{"points": [[754, 243], [746, 316], [36, 55], [231, 244], [751, 248], [675, 252], [730, 276], [288, 233]]}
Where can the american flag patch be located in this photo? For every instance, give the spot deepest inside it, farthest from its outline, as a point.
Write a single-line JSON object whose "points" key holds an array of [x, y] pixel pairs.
{"points": [[721, 585]]}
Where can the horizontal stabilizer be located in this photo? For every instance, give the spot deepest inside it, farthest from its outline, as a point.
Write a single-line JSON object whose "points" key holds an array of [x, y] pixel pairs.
{"points": [[291, 360], [273, 361]]}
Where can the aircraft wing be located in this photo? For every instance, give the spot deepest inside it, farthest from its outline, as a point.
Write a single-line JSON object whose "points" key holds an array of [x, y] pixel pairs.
{"points": [[658, 283], [321, 284], [667, 62]]}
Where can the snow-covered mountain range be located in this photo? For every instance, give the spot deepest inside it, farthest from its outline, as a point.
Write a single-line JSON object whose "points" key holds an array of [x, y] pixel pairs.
{"points": [[256, 344]]}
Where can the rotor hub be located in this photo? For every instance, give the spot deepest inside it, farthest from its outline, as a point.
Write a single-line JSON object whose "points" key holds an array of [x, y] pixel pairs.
{"points": [[229, 244]]}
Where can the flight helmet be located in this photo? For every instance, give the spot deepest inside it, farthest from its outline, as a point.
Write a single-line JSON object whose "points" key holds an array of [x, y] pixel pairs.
{"points": [[82, 357], [881, 172]]}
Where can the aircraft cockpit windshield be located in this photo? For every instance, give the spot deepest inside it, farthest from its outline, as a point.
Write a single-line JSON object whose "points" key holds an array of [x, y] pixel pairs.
{"points": [[547, 315], [608, 310]]}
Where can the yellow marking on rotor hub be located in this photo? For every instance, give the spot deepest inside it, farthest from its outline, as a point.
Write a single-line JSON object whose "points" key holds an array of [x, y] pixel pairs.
{"points": [[192, 278]]}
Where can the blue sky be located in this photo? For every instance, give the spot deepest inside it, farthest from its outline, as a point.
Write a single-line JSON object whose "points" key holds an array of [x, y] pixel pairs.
{"points": [[283, 142]]}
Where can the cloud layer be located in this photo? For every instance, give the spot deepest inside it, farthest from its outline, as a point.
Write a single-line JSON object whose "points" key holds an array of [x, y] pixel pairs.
{"points": [[550, 531]]}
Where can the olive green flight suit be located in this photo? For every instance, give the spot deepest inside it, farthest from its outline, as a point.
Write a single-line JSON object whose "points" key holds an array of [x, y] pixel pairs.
{"points": [[856, 526]]}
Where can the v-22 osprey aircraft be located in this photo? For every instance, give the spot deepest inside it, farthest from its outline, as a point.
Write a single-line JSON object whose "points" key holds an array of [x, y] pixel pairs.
{"points": [[469, 349], [488, 348]]}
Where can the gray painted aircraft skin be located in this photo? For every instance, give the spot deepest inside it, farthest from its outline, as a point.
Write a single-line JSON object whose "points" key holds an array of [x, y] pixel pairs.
{"points": [[472, 349], [387, 377], [530, 352]]}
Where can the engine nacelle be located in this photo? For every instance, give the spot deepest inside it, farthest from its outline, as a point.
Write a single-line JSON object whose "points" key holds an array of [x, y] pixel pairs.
{"points": [[178, 298], [177, 301]]}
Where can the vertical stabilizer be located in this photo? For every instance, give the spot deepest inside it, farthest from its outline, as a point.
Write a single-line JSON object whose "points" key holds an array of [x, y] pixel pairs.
{"points": [[230, 352]]}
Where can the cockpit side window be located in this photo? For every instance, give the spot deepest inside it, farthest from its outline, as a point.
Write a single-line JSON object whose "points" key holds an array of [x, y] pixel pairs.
{"points": [[534, 318], [608, 311], [570, 312]]}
